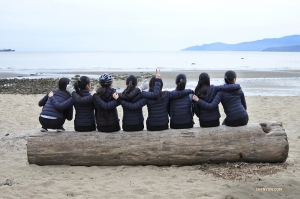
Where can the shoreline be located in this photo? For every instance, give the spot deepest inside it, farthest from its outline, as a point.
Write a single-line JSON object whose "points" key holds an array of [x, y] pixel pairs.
{"points": [[253, 83], [168, 74]]}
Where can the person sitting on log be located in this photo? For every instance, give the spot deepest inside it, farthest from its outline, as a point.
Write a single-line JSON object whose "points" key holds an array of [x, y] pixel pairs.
{"points": [[207, 92], [133, 120], [158, 118], [57, 107], [106, 116], [181, 114], [233, 102], [84, 105]]}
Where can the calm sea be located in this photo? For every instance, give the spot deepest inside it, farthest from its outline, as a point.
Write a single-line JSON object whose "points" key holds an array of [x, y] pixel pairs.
{"points": [[49, 63]]}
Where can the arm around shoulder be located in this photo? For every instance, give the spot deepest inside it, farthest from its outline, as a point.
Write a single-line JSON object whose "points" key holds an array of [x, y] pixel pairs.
{"points": [[82, 100], [63, 105], [43, 101], [105, 105], [213, 104]]}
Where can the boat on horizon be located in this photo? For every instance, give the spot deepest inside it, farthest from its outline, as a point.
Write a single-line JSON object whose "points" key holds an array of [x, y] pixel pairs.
{"points": [[7, 50]]}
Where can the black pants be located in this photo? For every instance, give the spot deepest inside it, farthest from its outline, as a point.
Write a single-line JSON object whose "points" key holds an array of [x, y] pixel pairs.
{"points": [[109, 129], [138, 127], [52, 123], [182, 126], [85, 128], [212, 123], [157, 128], [240, 122]]}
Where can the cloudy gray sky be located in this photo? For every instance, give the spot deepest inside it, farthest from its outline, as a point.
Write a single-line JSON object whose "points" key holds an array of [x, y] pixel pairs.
{"points": [[141, 25]]}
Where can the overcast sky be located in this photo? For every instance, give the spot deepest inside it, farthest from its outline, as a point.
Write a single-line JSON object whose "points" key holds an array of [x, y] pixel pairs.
{"points": [[141, 25]]}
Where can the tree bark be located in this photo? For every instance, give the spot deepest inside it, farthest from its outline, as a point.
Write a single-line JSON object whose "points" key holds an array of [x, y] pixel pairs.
{"points": [[265, 142]]}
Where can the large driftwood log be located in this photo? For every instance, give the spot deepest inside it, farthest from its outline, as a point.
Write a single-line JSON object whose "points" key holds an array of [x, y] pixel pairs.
{"points": [[265, 142]]}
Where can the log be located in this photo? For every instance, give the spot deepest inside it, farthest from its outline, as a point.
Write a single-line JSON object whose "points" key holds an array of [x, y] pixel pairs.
{"points": [[264, 142]]}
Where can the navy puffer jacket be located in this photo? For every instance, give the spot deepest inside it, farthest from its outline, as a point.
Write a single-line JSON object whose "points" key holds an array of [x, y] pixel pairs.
{"points": [[106, 108], [60, 105], [213, 114], [85, 109], [180, 110], [233, 102], [157, 108]]}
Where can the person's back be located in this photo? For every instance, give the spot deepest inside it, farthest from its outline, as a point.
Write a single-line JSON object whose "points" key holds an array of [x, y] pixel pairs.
{"points": [[234, 105], [158, 118], [207, 115], [133, 120], [181, 115], [106, 116], [57, 107], [59, 97], [85, 109]]}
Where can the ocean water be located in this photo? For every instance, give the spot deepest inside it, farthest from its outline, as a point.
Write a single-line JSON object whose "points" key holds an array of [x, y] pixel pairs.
{"points": [[50, 63]]}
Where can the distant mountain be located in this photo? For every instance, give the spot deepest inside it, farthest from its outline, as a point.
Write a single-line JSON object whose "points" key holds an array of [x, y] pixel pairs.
{"points": [[258, 45], [283, 49]]}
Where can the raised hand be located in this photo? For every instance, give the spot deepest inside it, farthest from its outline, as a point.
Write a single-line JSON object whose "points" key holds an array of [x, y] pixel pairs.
{"points": [[157, 75]]}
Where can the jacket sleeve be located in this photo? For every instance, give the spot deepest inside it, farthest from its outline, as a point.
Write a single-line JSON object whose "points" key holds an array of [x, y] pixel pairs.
{"points": [[105, 105], [61, 106], [227, 87], [243, 100], [154, 94], [43, 101], [82, 100], [129, 96], [178, 94], [213, 104], [69, 113], [133, 106]]}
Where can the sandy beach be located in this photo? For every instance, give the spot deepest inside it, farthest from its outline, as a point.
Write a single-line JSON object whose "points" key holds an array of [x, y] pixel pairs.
{"points": [[18, 179]]}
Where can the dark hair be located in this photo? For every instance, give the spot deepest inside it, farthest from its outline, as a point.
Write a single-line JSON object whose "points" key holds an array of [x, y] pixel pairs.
{"points": [[131, 83], [229, 76], [81, 84], [62, 83], [203, 85], [152, 83], [181, 82]]}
